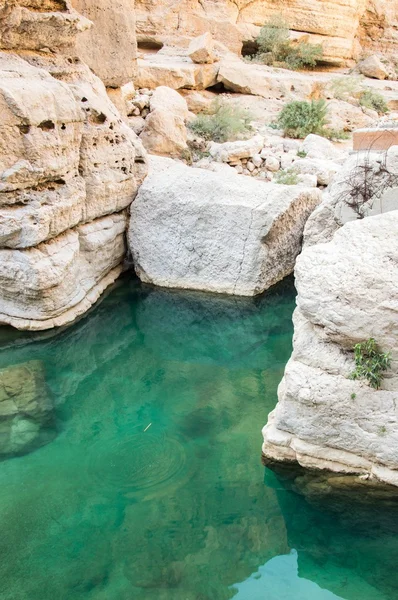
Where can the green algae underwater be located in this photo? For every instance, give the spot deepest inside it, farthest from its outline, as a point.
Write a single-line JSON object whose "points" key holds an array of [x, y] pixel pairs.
{"points": [[149, 483]]}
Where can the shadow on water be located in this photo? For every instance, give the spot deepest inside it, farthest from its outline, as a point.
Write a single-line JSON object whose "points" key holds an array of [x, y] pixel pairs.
{"points": [[153, 486]]}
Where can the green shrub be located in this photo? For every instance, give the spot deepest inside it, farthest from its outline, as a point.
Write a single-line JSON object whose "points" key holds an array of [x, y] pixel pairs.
{"points": [[304, 55], [276, 48], [335, 134], [374, 101], [370, 363], [344, 88], [223, 123], [274, 37], [301, 153], [300, 118], [287, 176]]}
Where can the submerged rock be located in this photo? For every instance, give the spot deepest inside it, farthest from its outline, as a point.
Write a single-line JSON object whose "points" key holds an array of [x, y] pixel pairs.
{"points": [[26, 410], [325, 421], [191, 228]]}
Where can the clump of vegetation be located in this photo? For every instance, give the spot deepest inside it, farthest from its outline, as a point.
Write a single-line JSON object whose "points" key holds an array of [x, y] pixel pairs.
{"points": [[287, 176], [374, 101], [346, 88], [277, 49], [301, 153], [299, 118], [224, 122], [370, 363]]}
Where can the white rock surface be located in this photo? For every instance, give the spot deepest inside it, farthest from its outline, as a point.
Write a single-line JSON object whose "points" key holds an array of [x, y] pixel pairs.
{"points": [[324, 170], [347, 293], [164, 133], [316, 146], [66, 158], [191, 228], [165, 98], [234, 151], [55, 282]]}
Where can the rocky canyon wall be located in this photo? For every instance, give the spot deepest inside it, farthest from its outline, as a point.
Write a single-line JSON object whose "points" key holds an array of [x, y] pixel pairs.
{"points": [[69, 168], [341, 27]]}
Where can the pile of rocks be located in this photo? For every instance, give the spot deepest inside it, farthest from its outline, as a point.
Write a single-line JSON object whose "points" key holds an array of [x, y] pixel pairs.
{"points": [[312, 162]]}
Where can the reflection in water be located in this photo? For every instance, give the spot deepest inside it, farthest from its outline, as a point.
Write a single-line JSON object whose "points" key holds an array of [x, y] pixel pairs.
{"points": [[279, 578], [153, 487]]}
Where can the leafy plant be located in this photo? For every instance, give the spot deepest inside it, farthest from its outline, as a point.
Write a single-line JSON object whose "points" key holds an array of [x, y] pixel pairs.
{"points": [[223, 123], [287, 176], [370, 363], [301, 153], [374, 101], [300, 118], [353, 396], [274, 37], [345, 88], [276, 48], [304, 55]]}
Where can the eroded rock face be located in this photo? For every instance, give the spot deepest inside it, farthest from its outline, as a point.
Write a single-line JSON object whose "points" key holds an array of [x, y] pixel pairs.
{"points": [[347, 293], [26, 409], [195, 229], [69, 167], [109, 47], [338, 28]]}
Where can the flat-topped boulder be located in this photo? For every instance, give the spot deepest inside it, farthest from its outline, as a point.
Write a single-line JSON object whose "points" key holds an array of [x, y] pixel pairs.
{"points": [[194, 229]]}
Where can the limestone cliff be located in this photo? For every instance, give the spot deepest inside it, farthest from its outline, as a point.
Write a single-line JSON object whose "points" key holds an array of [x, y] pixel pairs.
{"points": [[325, 421], [340, 27], [69, 167]]}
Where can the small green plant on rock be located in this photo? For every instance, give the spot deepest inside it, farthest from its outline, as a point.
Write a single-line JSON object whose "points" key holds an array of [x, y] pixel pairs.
{"points": [[287, 176], [224, 122], [374, 101], [301, 153], [275, 48], [370, 363]]}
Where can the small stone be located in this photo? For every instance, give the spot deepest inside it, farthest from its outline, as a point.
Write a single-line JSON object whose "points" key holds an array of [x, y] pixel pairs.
{"points": [[250, 166], [239, 169], [257, 160], [272, 163]]}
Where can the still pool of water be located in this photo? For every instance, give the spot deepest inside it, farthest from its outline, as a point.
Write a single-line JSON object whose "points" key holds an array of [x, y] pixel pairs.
{"points": [[152, 488]]}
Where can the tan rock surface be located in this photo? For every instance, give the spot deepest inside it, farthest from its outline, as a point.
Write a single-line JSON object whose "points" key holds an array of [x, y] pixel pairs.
{"points": [[201, 49], [336, 26], [109, 47]]}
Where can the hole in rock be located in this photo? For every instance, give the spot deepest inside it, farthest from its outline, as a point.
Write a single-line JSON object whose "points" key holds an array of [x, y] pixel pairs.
{"points": [[63, 126], [46, 125], [98, 118], [249, 48], [24, 128], [219, 88], [84, 99], [149, 44]]}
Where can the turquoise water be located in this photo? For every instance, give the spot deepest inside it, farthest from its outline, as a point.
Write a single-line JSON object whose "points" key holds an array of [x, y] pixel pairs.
{"points": [[151, 485]]}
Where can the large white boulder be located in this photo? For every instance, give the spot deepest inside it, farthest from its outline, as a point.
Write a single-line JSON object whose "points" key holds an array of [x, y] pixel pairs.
{"points": [[196, 229], [347, 293]]}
